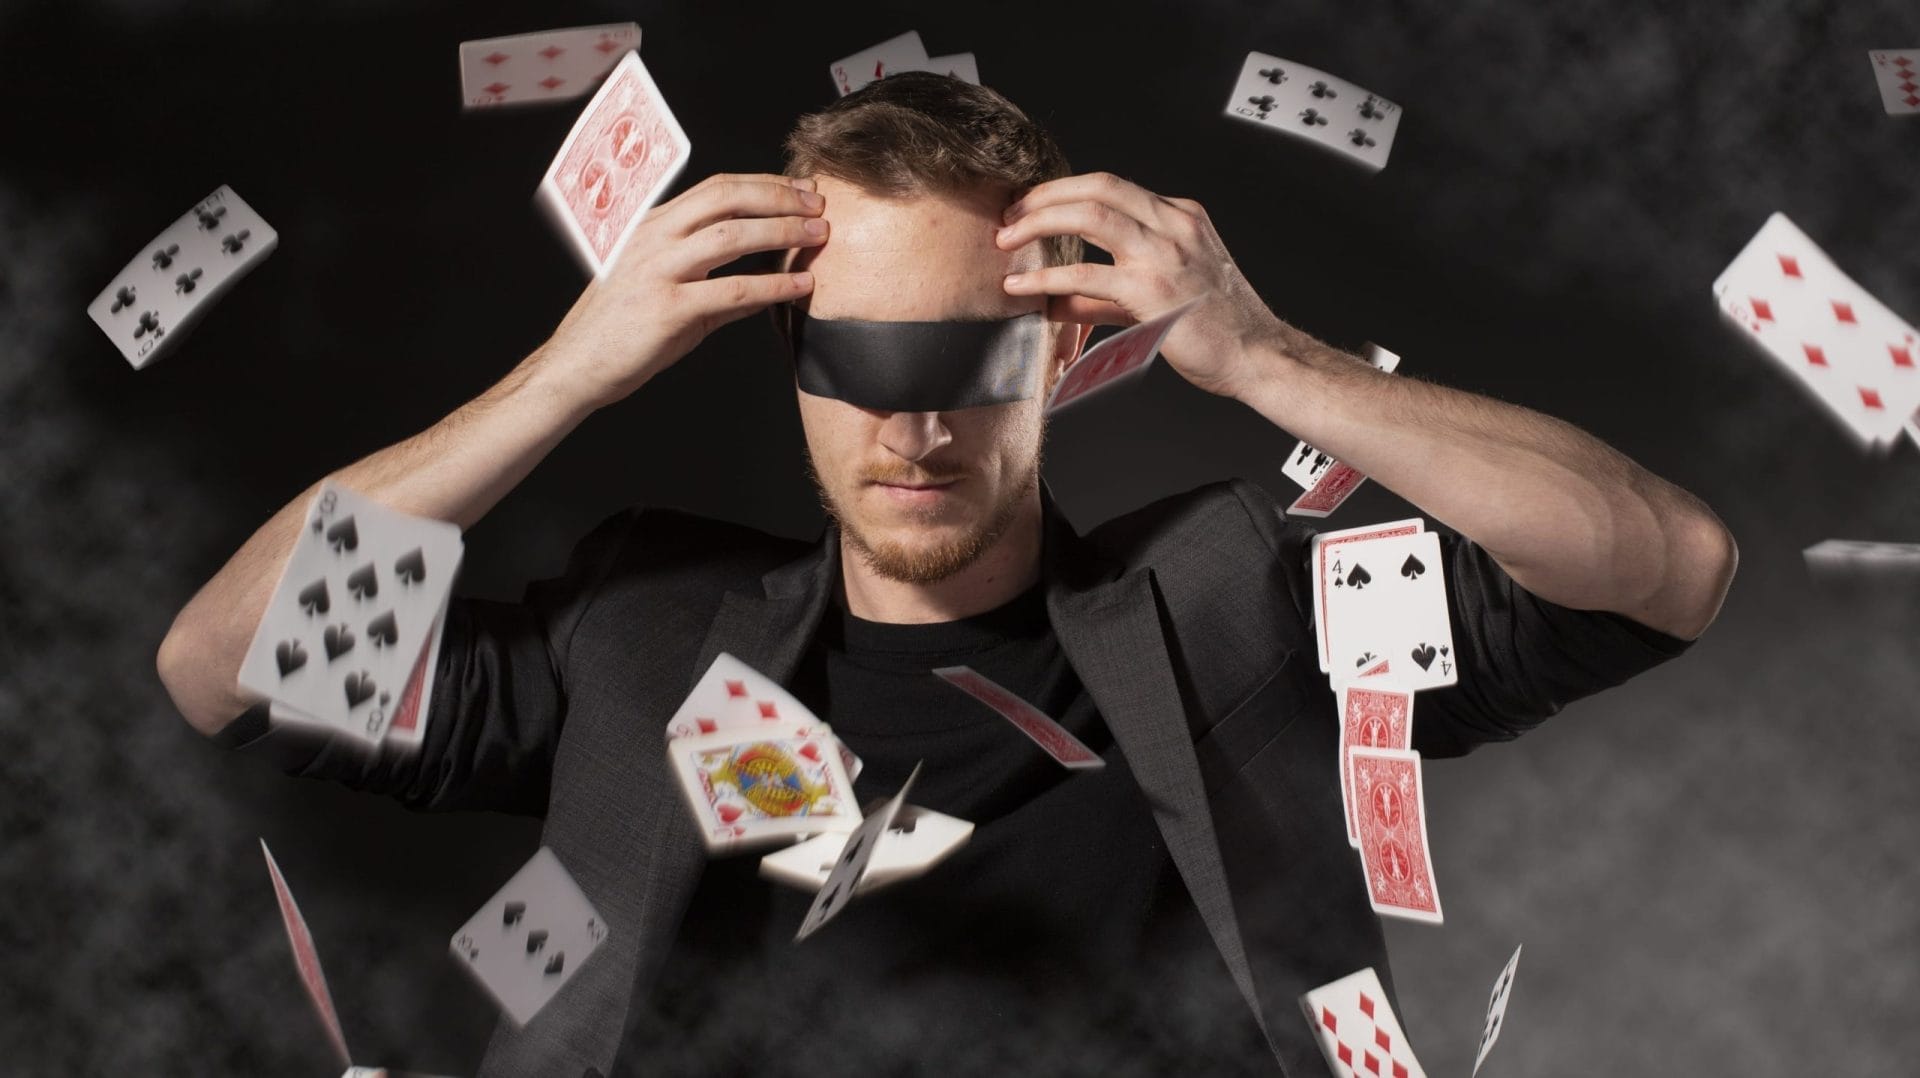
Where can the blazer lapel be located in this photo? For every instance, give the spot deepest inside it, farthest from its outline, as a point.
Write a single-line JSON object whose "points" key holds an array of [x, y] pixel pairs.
{"points": [[1109, 628]]}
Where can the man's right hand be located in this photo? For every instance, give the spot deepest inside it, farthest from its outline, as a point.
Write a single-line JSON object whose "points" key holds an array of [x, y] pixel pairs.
{"points": [[658, 302]]}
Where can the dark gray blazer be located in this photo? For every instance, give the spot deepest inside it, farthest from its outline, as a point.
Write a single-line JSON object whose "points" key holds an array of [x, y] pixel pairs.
{"points": [[1188, 621]]}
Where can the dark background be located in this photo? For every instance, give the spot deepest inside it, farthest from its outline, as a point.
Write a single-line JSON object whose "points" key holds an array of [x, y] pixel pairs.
{"points": [[1712, 868]]}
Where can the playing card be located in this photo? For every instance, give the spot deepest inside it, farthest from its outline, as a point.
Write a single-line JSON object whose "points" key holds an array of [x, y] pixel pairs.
{"points": [[1376, 714], [551, 65], [1858, 555], [171, 283], [1897, 72], [960, 65], [1390, 602], [622, 154], [1328, 482], [918, 839], [1328, 552], [731, 695], [1393, 834], [307, 959], [751, 787], [407, 728], [1115, 360], [1496, 1009], [1067, 750], [848, 872], [1316, 107], [896, 54], [353, 610], [1842, 345], [530, 939], [1357, 1030]]}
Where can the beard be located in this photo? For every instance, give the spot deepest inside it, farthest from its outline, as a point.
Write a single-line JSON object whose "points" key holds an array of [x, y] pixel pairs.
{"points": [[927, 563]]}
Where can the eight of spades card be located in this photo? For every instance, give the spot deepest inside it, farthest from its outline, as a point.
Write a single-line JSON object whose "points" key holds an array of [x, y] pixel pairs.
{"points": [[354, 608]]}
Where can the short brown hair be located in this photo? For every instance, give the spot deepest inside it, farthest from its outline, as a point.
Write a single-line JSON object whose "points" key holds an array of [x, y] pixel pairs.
{"points": [[917, 132]]}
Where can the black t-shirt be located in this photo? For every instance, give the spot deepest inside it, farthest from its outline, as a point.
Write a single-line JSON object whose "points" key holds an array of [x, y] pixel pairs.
{"points": [[1048, 944]]}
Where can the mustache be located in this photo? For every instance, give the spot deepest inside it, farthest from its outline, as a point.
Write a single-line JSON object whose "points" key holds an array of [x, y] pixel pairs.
{"points": [[910, 479]]}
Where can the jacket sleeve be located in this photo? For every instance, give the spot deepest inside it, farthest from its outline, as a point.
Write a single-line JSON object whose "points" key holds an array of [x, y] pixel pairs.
{"points": [[1522, 658], [499, 700]]}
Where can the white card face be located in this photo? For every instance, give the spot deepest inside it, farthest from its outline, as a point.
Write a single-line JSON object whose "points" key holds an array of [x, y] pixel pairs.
{"points": [[1842, 345], [1328, 557], [355, 606], [1121, 358], [530, 939], [624, 151], [1897, 73], [851, 869], [542, 67], [1496, 1009], [1357, 1030], [1315, 107], [408, 726], [960, 65], [1387, 601], [751, 787], [902, 53], [1859, 555], [180, 275], [918, 840], [732, 695]]}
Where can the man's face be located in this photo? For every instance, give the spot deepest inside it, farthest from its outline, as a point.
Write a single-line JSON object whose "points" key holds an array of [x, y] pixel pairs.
{"points": [[922, 259]]}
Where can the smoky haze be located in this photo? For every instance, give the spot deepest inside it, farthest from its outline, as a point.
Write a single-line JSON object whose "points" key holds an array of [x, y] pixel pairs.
{"points": [[1711, 867]]}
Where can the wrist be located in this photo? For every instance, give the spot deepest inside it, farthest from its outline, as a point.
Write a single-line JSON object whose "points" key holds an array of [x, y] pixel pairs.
{"points": [[561, 381]]}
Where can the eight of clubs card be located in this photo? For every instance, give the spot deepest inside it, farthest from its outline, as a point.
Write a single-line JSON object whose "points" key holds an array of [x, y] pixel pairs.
{"points": [[530, 939]]}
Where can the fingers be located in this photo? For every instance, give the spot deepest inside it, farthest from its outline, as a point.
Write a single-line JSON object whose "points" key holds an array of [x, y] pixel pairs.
{"points": [[725, 299], [723, 241], [1099, 223], [1104, 187], [718, 198], [1089, 282]]}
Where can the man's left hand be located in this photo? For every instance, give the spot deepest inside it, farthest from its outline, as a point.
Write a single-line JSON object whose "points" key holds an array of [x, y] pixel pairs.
{"points": [[1165, 252]]}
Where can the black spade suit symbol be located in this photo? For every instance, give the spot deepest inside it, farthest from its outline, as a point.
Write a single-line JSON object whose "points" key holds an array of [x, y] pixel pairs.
{"points": [[512, 912], [1412, 568], [383, 631], [338, 640], [1424, 655], [1359, 578], [557, 963], [290, 655], [536, 939], [361, 582], [412, 567], [344, 536], [313, 598], [359, 687]]}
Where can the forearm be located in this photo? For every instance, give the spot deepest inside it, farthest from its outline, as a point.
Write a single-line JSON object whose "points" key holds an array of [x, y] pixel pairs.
{"points": [[1567, 516], [456, 470]]}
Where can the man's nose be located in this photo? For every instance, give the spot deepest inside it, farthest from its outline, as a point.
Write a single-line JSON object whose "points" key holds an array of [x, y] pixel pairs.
{"points": [[913, 435]]}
